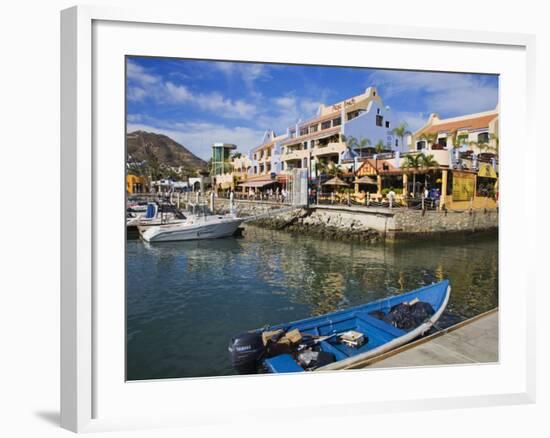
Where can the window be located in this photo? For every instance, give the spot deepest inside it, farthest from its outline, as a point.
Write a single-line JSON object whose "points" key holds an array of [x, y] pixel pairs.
{"points": [[379, 120], [325, 125], [483, 137], [442, 141], [396, 142], [313, 128], [337, 121], [377, 110], [387, 124], [420, 145], [303, 131]]}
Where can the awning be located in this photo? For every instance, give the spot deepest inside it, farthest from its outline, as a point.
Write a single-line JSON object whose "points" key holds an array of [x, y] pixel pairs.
{"points": [[487, 171], [256, 183]]}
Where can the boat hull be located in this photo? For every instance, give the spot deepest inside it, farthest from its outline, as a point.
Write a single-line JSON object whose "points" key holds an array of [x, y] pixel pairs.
{"points": [[382, 335], [202, 229]]}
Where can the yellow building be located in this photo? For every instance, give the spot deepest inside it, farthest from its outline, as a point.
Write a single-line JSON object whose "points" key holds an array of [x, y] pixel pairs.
{"points": [[135, 184], [476, 132]]}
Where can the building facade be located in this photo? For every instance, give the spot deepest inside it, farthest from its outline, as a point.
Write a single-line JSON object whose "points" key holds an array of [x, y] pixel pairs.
{"points": [[322, 139], [476, 132], [222, 158], [265, 158]]}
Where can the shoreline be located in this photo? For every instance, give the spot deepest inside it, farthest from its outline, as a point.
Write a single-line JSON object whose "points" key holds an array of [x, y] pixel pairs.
{"points": [[371, 225]]}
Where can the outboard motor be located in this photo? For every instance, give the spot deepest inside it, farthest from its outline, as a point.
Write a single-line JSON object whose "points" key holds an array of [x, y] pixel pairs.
{"points": [[246, 350]]}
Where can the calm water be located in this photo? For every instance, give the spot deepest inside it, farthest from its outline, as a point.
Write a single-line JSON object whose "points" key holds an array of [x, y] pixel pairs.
{"points": [[186, 299]]}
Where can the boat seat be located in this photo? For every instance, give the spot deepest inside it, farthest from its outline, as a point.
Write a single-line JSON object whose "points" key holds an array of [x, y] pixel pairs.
{"points": [[381, 325], [284, 363]]}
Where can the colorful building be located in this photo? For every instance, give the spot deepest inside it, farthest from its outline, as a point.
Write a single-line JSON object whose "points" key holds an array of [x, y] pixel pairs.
{"points": [[135, 184], [222, 159], [321, 139], [475, 132]]}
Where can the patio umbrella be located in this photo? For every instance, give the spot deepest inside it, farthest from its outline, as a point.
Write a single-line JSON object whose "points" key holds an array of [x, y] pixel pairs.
{"points": [[336, 182]]}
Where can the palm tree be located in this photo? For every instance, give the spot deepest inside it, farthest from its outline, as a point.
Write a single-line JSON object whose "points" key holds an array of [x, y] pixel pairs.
{"points": [[334, 170], [494, 138], [458, 140], [428, 162], [379, 146], [429, 138], [321, 168], [401, 131], [418, 162], [486, 145]]}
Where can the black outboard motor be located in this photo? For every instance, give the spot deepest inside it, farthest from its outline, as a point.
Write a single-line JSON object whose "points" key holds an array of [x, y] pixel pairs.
{"points": [[246, 350]]}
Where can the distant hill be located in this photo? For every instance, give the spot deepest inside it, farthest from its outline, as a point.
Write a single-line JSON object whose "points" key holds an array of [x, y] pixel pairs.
{"points": [[167, 151]]}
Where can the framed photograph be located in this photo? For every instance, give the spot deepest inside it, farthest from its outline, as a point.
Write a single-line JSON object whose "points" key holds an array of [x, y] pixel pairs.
{"points": [[258, 210]]}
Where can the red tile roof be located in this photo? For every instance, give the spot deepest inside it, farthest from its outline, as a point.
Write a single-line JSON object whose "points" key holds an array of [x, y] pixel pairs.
{"points": [[470, 124]]}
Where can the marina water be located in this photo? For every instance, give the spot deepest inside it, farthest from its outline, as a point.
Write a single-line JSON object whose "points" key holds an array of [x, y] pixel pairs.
{"points": [[184, 300]]}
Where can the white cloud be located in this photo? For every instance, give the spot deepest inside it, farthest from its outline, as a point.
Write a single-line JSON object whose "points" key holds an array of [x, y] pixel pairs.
{"points": [[414, 120], [249, 73], [153, 87], [138, 74], [450, 93], [198, 136], [136, 94]]}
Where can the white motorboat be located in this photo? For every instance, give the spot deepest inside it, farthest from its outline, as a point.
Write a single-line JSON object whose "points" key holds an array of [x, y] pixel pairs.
{"points": [[200, 223], [206, 227], [155, 214]]}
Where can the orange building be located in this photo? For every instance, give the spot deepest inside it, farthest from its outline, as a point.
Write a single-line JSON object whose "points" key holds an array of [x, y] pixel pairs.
{"points": [[135, 184]]}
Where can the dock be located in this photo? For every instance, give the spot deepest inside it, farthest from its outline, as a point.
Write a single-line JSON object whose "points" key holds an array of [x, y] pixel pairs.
{"points": [[472, 341]]}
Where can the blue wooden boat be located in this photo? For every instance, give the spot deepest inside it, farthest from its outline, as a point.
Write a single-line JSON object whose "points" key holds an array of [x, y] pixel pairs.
{"points": [[343, 338]]}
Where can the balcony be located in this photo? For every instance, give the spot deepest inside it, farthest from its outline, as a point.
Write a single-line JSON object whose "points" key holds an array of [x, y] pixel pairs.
{"points": [[331, 148], [295, 155]]}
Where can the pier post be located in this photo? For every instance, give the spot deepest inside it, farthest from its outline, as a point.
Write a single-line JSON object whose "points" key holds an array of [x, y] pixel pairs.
{"points": [[443, 189]]}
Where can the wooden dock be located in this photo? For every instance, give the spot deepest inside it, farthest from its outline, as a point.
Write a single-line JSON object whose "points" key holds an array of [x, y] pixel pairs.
{"points": [[472, 341]]}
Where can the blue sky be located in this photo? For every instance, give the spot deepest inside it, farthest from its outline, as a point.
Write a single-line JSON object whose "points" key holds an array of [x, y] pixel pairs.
{"points": [[198, 103]]}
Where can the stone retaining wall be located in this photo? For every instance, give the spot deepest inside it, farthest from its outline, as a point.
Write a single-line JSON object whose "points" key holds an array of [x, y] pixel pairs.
{"points": [[368, 224]]}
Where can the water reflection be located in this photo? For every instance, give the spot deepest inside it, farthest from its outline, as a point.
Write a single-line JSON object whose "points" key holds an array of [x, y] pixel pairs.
{"points": [[185, 299]]}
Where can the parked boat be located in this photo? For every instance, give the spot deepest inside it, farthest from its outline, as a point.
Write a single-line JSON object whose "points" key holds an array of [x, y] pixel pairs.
{"points": [[155, 214], [343, 338], [200, 223]]}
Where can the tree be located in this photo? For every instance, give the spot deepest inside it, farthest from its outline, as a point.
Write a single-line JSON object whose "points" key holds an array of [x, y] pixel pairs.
{"points": [[153, 163], [353, 144], [494, 138], [490, 146], [401, 131], [429, 138], [458, 140], [379, 146], [237, 155], [417, 162]]}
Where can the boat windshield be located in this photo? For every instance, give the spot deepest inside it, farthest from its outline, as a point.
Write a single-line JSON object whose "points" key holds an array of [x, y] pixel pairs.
{"points": [[199, 210]]}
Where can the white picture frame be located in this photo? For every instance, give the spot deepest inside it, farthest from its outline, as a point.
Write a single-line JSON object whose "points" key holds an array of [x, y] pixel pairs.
{"points": [[83, 369]]}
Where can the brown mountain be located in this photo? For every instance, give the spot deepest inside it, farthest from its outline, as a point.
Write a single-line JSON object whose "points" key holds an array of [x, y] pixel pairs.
{"points": [[140, 144]]}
